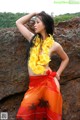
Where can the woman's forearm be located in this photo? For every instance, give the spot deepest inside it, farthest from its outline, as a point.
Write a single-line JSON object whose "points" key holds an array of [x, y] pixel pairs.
{"points": [[26, 18], [62, 66]]}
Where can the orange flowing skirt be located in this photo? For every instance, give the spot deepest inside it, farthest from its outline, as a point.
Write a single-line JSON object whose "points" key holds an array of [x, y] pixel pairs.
{"points": [[42, 101]]}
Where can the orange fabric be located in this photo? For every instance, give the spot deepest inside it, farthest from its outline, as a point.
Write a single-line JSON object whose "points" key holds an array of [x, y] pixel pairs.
{"points": [[42, 101]]}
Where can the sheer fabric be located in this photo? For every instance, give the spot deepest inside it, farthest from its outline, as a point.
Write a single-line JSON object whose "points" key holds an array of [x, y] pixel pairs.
{"points": [[42, 101]]}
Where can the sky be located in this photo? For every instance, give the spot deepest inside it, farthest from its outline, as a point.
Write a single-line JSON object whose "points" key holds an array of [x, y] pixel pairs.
{"points": [[28, 6]]}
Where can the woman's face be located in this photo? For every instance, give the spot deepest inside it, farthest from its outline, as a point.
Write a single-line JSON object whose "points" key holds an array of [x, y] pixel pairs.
{"points": [[39, 26]]}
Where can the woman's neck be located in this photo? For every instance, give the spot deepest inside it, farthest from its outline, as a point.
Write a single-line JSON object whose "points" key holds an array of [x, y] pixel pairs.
{"points": [[44, 36]]}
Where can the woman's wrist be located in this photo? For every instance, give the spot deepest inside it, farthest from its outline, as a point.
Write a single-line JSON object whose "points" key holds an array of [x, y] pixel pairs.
{"points": [[57, 75], [33, 14], [26, 18]]}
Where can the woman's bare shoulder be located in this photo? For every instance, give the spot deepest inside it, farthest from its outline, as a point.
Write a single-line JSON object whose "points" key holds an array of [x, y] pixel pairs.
{"points": [[57, 43], [56, 46]]}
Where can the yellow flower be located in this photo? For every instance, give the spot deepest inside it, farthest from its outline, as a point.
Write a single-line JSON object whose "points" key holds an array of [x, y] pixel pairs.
{"points": [[43, 59], [48, 43], [33, 50], [32, 64], [37, 41], [45, 49], [33, 57], [39, 69], [38, 61]]}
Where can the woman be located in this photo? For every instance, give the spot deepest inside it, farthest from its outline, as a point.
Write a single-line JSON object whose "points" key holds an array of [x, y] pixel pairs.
{"points": [[43, 100]]}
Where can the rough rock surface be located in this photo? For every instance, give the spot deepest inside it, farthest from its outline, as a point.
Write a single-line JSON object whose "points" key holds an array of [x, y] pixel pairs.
{"points": [[14, 78]]}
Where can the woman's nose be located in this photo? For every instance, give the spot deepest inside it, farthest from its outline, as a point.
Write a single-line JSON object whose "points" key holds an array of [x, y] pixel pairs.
{"points": [[34, 24]]}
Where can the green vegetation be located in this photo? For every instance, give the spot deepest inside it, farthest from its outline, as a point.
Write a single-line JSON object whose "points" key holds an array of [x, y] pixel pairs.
{"points": [[66, 17], [67, 1], [8, 19], [61, 1]]}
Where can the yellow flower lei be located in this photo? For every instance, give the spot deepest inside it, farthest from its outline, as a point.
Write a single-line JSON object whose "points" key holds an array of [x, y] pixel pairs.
{"points": [[37, 61]]}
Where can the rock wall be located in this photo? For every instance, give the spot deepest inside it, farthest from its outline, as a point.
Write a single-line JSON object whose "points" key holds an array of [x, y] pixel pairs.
{"points": [[14, 79]]}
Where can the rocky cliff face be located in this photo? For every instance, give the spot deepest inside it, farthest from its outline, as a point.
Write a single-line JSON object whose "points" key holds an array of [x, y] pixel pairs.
{"points": [[14, 75]]}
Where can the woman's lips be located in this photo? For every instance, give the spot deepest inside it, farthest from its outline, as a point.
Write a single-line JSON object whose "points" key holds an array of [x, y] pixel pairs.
{"points": [[35, 29]]}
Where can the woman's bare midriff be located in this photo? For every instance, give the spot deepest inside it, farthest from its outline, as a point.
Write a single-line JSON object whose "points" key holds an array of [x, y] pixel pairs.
{"points": [[47, 68], [32, 74]]}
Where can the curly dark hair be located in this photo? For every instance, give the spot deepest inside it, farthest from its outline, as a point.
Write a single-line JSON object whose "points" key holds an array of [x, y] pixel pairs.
{"points": [[49, 26], [47, 21]]}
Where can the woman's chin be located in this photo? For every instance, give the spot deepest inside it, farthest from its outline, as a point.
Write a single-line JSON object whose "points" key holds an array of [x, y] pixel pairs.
{"points": [[36, 32]]}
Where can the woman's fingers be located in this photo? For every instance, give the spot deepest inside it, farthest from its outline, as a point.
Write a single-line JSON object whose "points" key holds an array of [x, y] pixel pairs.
{"points": [[57, 76], [57, 83]]}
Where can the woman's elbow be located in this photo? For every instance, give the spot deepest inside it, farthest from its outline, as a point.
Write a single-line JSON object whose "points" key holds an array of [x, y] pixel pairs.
{"points": [[17, 22], [67, 59]]}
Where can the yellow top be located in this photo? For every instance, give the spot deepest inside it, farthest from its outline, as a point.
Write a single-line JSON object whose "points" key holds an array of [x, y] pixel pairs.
{"points": [[39, 54]]}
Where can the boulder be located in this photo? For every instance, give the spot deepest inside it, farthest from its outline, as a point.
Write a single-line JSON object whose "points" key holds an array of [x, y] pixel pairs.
{"points": [[14, 79]]}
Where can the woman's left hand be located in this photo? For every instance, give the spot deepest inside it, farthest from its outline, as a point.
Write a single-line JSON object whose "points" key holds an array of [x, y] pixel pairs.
{"points": [[57, 76]]}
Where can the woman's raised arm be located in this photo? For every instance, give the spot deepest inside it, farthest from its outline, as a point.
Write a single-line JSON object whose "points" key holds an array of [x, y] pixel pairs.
{"points": [[20, 23]]}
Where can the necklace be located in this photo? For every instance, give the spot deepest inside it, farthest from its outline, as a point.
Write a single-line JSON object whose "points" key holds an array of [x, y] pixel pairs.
{"points": [[39, 54]]}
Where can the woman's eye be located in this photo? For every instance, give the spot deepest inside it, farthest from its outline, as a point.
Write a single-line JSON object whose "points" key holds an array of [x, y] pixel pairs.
{"points": [[37, 22]]}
